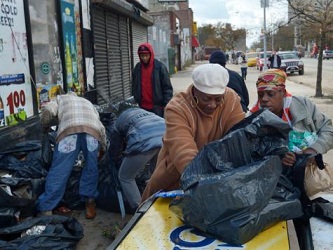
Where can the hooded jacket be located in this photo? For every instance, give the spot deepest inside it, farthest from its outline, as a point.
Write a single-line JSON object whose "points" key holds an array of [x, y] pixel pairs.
{"points": [[161, 84]]}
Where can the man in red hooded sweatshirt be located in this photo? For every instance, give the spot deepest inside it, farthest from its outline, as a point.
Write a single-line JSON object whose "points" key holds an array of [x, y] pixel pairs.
{"points": [[151, 86]]}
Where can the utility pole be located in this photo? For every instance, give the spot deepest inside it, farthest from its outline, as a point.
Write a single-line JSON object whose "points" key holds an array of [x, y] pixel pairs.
{"points": [[264, 4], [272, 40]]}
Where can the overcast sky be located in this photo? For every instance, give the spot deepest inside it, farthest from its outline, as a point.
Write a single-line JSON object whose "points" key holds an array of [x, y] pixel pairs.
{"points": [[246, 14]]}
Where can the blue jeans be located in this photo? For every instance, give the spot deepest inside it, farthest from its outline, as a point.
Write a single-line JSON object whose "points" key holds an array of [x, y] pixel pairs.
{"points": [[65, 154], [128, 171]]}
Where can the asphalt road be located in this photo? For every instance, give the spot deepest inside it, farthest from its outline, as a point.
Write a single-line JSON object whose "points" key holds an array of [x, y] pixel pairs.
{"points": [[310, 76]]}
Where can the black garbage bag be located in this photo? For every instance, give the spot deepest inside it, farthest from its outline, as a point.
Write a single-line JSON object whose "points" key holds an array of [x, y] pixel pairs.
{"points": [[23, 160], [23, 147], [21, 182], [72, 198], [261, 134], [18, 196], [233, 188], [22, 132], [110, 197], [47, 232], [48, 143], [8, 216], [110, 192]]}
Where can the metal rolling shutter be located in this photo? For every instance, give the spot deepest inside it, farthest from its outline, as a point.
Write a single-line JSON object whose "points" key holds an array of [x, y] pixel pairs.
{"points": [[118, 56], [140, 35], [101, 54], [125, 56], [112, 56]]}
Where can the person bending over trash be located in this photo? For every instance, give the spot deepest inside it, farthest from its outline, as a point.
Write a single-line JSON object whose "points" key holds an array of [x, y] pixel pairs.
{"points": [[79, 129], [135, 140]]}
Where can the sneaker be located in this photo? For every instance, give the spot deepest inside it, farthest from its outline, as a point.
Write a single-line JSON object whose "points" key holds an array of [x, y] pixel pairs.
{"points": [[90, 209]]}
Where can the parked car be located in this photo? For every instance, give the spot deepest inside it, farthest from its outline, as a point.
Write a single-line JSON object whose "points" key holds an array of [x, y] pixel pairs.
{"points": [[252, 58], [327, 54], [290, 62], [261, 60]]}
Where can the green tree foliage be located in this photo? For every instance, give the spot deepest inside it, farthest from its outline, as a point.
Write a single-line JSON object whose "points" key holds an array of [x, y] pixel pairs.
{"points": [[207, 34], [221, 35]]}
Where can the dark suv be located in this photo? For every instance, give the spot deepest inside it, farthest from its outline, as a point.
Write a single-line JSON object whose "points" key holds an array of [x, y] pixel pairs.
{"points": [[290, 62]]}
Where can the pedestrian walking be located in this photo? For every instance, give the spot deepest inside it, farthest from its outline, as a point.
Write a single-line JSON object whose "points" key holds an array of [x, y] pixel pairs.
{"points": [[242, 61]]}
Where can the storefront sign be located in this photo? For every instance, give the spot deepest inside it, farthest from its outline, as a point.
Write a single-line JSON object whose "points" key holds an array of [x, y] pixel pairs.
{"points": [[69, 41], [15, 85]]}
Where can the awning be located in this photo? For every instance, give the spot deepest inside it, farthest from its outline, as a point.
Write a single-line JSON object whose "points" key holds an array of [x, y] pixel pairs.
{"points": [[195, 42]]}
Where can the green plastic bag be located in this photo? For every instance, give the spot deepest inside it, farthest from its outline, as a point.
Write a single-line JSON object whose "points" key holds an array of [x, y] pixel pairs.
{"points": [[300, 140]]}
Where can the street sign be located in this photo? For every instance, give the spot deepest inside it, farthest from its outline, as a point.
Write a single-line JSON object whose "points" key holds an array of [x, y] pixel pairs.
{"points": [[264, 3]]}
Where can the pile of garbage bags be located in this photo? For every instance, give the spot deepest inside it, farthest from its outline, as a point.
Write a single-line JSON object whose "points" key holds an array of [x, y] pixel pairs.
{"points": [[234, 188], [21, 181], [47, 232], [22, 178], [23, 169]]}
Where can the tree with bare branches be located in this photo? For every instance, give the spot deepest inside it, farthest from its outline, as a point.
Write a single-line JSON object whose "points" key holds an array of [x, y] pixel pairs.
{"points": [[315, 15]]}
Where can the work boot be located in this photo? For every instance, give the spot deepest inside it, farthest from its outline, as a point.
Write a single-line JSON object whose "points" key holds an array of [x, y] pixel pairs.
{"points": [[90, 209]]}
